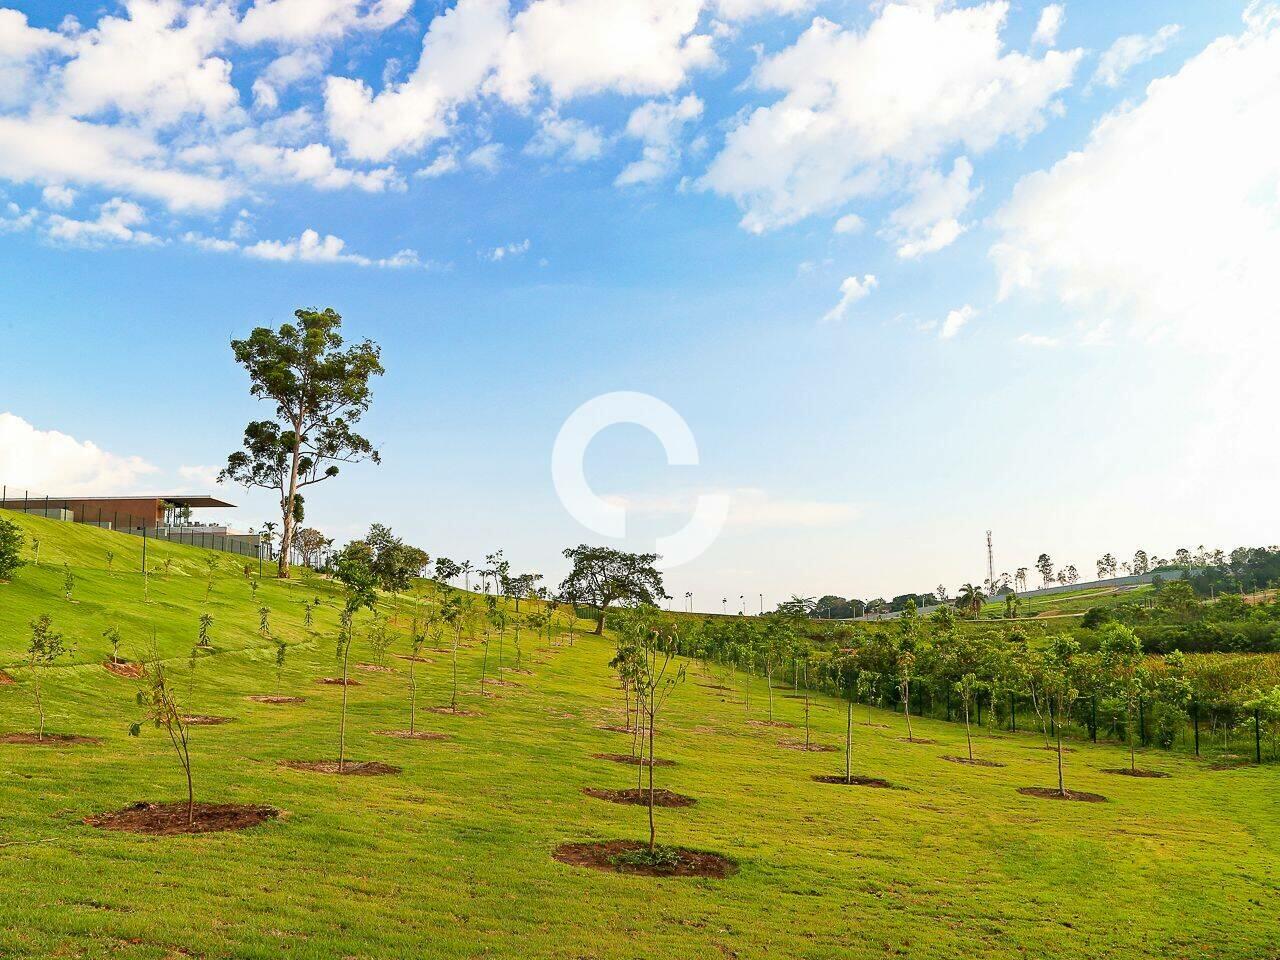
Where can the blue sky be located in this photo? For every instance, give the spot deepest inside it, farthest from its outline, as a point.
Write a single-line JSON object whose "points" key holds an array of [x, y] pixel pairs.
{"points": [[1053, 223]]}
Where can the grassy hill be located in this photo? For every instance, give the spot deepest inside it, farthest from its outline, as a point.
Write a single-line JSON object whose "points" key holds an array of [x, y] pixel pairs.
{"points": [[452, 856]]}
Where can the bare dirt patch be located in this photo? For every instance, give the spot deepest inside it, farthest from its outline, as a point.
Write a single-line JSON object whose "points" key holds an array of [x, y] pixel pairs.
{"points": [[415, 659], [415, 735], [203, 720], [509, 684], [264, 699], [1052, 749], [5, 679], [374, 668], [920, 740], [1128, 772], [713, 686], [975, 762], [613, 856], [634, 761], [781, 724], [810, 747], [856, 781], [449, 711], [338, 682], [351, 768], [1053, 793], [49, 739], [167, 819], [661, 798], [614, 728], [123, 668]]}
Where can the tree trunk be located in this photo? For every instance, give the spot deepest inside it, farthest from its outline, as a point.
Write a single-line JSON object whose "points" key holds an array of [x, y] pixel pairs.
{"points": [[652, 827], [286, 508], [967, 737], [906, 706], [848, 741], [1062, 789], [342, 722]]}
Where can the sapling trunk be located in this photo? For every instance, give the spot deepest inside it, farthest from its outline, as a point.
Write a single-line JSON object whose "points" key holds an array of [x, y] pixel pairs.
{"points": [[848, 740], [1128, 725], [967, 737], [39, 705], [768, 679], [413, 694], [906, 706], [653, 831], [1062, 788], [342, 723], [453, 700], [806, 722]]}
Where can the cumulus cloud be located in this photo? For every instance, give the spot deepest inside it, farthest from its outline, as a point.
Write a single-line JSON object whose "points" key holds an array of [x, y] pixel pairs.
{"points": [[118, 221], [300, 22], [54, 149], [851, 291], [1112, 230], [930, 220], [498, 254], [657, 124], [14, 219], [570, 139], [307, 247], [745, 9], [1047, 27], [1127, 52], [445, 163], [22, 48], [48, 462], [956, 321], [863, 112]]}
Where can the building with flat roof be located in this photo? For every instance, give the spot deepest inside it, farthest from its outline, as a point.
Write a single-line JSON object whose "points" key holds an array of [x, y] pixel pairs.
{"points": [[116, 513]]}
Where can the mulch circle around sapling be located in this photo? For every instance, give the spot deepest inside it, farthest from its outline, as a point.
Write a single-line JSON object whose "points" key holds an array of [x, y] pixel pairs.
{"points": [[781, 724], [810, 747], [712, 686], [416, 735], [374, 668], [1052, 749], [1129, 772], [350, 768], [632, 857], [614, 728], [5, 679], [634, 761], [920, 740], [839, 779], [167, 819], [203, 720], [49, 739], [973, 762], [337, 682], [1053, 793], [266, 699], [640, 797], [123, 668], [448, 711], [415, 659]]}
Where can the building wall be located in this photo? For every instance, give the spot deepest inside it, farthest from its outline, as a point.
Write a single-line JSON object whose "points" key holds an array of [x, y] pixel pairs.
{"points": [[121, 512]]}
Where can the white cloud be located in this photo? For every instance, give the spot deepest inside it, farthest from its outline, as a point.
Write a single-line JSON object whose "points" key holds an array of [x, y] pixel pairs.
{"points": [[1168, 220], [444, 163], [118, 221], [862, 113], [1127, 52], [849, 223], [63, 150], [851, 291], [566, 137], [577, 47], [203, 477], [956, 320], [745, 9], [1039, 340], [306, 21], [498, 254], [459, 50], [308, 247], [749, 508], [51, 463], [285, 72], [15, 219], [156, 64], [487, 158], [930, 220], [58, 195], [1047, 27], [22, 46], [313, 164], [657, 124]]}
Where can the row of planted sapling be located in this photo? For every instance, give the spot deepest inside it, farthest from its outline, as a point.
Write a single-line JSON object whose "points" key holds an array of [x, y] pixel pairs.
{"points": [[649, 667]]}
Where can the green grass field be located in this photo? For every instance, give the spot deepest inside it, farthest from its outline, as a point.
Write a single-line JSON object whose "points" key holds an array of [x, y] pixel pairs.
{"points": [[452, 857], [1071, 601]]}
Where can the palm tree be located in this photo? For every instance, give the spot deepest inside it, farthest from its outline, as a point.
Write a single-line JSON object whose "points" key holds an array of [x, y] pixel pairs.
{"points": [[970, 599], [269, 535], [465, 569]]}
